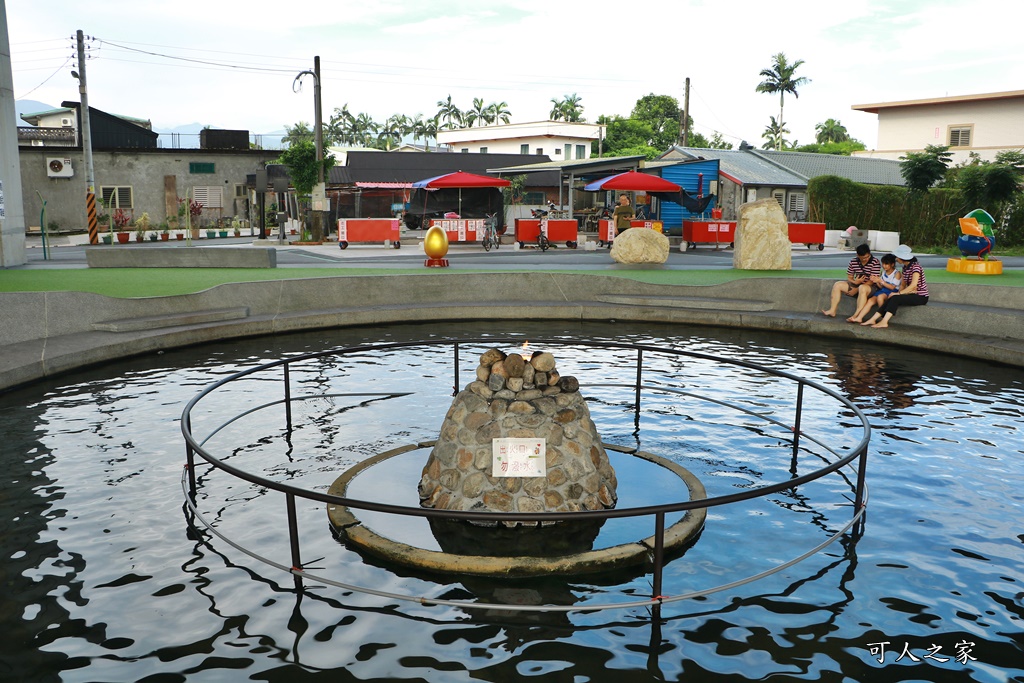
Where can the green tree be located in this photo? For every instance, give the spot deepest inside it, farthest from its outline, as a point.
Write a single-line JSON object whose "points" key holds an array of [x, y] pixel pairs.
{"points": [[478, 114], [567, 109], [661, 114], [846, 148], [780, 78], [300, 132], [498, 111], [338, 130], [449, 114], [831, 130], [300, 158], [775, 135], [364, 130], [627, 137], [718, 143], [921, 170]]}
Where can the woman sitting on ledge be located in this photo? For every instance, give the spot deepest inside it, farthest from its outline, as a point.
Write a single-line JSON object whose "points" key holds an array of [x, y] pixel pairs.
{"points": [[913, 290]]}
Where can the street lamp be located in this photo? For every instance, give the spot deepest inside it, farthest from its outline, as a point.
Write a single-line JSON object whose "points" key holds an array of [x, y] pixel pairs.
{"points": [[318, 231]]}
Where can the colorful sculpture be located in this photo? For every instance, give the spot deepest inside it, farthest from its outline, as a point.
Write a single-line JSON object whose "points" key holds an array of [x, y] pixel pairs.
{"points": [[978, 238]]}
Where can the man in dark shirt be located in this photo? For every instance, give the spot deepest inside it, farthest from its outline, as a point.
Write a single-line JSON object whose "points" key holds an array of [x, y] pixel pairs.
{"points": [[857, 282]]}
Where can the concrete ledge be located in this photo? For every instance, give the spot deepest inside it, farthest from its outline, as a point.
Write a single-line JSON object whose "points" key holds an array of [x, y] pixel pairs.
{"points": [[47, 333], [155, 322], [180, 257]]}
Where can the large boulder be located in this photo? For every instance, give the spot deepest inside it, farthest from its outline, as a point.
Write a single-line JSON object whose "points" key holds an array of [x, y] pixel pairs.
{"points": [[762, 237], [640, 245]]}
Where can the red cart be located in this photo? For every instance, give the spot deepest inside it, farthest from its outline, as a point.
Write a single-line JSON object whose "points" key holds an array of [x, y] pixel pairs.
{"points": [[461, 229], [810, 234], [707, 232], [369, 230], [555, 230]]}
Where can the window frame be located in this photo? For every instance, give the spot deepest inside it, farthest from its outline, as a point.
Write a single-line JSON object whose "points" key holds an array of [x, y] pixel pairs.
{"points": [[118, 192], [960, 129]]}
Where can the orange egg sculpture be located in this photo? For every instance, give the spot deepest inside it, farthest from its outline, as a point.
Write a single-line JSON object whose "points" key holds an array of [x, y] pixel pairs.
{"points": [[435, 245]]}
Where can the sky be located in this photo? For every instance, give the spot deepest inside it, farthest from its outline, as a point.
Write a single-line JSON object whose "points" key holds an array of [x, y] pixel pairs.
{"points": [[233, 65]]}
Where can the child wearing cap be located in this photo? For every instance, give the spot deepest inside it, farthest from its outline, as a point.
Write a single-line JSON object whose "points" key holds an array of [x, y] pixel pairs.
{"points": [[913, 289]]}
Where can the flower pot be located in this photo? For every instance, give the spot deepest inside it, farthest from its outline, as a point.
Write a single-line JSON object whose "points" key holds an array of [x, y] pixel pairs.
{"points": [[153, 237], [164, 236], [179, 235], [123, 237], [294, 231], [223, 233], [210, 234], [238, 233], [106, 239], [195, 233], [140, 238]]}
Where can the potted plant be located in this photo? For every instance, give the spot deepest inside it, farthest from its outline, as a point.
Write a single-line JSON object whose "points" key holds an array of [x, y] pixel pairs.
{"points": [[222, 229], [211, 231], [189, 212], [165, 232], [236, 226], [121, 219], [141, 226]]}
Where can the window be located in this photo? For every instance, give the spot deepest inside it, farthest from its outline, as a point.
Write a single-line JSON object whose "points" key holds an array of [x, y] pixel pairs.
{"points": [[483, 150], [780, 197], [540, 150], [464, 150], [524, 148], [960, 136], [568, 152], [533, 198], [581, 151], [797, 206], [241, 191], [210, 197], [752, 194], [558, 152], [117, 197], [201, 167]]}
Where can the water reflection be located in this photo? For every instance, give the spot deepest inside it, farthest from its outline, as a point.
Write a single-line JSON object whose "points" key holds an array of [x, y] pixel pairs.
{"points": [[102, 582]]}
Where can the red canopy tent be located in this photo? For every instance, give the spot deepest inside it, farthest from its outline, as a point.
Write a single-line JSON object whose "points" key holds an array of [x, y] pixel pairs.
{"points": [[460, 179], [632, 181]]}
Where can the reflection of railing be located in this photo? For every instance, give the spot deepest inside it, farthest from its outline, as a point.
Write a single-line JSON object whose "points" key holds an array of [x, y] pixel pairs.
{"points": [[195, 445]]}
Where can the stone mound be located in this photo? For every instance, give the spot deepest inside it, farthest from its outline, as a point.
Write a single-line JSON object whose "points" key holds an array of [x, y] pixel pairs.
{"points": [[640, 245]]}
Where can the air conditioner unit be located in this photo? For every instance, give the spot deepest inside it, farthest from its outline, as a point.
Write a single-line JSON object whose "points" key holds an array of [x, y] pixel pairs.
{"points": [[59, 168], [66, 122]]}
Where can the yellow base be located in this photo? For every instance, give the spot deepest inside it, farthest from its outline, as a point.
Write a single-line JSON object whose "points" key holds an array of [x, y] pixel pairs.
{"points": [[974, 266]]}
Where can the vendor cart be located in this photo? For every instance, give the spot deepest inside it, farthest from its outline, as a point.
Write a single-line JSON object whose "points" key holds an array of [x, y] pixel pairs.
{"points": [[718, 233], [386, 230], [461, 229], [811, 234], [544, 231]]}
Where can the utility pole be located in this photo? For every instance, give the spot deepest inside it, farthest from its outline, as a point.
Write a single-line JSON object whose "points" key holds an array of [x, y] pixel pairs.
{"points": [[12, 212], [684, 127], [90, 173], [319, 228]]}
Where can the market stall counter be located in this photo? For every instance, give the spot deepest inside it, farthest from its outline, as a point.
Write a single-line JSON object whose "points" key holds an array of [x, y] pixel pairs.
{"points": [[386, 230], [543, 231]]}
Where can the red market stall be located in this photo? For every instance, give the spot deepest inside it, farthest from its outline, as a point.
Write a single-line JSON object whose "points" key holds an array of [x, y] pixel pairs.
{"points": [[631, 181], [811, 234], [482, 196], [708, 232], [461, 229], [369, 230], [555, 230]]}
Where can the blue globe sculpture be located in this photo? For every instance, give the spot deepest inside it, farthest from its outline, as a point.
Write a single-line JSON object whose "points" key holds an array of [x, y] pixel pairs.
{"points": [[970, 245]]}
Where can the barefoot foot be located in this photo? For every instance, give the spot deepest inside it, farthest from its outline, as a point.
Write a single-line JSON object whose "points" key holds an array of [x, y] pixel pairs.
{"points": [[880, 325], [852, 319], [827, 313], [868, 322]]}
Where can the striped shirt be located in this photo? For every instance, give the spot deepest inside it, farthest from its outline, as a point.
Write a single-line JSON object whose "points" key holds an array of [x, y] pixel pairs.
{"points": [[857, 269], [908, 273]]}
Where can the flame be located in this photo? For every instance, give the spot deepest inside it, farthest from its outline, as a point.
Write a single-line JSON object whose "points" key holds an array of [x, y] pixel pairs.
{"points": [[525, 351]]}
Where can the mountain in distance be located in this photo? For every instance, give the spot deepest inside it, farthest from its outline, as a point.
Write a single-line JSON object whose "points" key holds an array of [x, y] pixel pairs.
{"points": [[30, 107]]}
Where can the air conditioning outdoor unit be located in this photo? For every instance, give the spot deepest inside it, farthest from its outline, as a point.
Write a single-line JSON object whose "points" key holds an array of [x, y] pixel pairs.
{"points": [[65, 122], [59, 168]]}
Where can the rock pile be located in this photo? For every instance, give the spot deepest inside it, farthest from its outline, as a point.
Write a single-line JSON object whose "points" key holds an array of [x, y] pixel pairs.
{"points": [[517, 397]]}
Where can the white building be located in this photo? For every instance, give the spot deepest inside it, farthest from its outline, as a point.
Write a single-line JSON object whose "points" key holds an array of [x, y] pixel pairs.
{"points": [[559, 140], [985, 124]]}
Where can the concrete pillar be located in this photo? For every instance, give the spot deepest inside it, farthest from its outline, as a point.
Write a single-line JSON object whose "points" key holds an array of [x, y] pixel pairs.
{"points": [[12, 211]]}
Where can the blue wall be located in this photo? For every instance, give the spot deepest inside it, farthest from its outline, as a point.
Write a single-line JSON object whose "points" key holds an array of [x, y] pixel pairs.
{"points": [[685, 175]]}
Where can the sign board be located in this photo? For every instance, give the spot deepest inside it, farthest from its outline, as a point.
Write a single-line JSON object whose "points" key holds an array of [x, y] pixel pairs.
{"points": [[2, 199], [518, 457], [318, 197]]}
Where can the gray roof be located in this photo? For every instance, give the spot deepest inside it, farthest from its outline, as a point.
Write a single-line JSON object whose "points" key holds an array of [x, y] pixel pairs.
{"points": [[794, 169]]}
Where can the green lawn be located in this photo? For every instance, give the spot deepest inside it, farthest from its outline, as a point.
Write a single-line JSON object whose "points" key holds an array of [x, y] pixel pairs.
{"points": [[143, 282]]}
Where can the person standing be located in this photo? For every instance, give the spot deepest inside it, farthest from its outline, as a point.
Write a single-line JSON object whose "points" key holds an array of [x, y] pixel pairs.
{"points": [[622, 214], [863, 266], [913, 289]]}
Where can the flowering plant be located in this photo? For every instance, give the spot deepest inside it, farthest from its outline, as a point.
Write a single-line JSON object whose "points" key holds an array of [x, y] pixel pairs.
{"points": [[121, 219]]}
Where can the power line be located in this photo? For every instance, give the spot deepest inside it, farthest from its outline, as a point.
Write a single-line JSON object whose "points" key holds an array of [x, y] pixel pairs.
{"points": [[194, 61], [70, 57]]}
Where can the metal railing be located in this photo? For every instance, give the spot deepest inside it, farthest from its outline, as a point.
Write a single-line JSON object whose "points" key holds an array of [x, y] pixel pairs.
{"points": [[858, 453]]}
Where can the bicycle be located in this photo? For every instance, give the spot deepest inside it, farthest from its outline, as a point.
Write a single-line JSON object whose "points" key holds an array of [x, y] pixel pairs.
{"points": [[542, 236], [490, 237]]}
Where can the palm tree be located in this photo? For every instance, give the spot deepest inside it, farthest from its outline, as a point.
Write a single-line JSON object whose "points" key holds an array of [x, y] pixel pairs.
{"points": [[449, 113], [779, 78], [498, 111], [338, 131], [300, 132], [831, 131], [363, 130], [392, 130], [775, 133], [556, 109], [572, 110], [479, 113], [430, 131]]}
